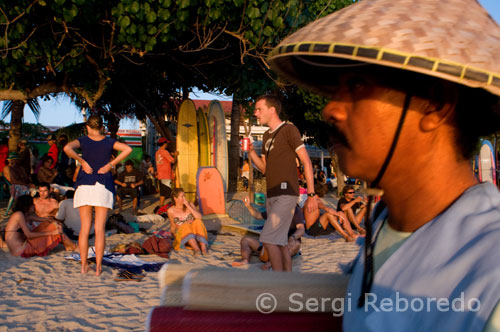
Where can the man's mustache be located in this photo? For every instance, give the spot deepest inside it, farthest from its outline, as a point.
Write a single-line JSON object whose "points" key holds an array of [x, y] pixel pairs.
{"points": [[335, 136]]}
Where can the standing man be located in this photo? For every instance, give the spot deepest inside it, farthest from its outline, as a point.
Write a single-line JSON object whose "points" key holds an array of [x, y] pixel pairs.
{"points": [[53, 149], [164, 161], [412, 86], [24, 156], [281, 144]]}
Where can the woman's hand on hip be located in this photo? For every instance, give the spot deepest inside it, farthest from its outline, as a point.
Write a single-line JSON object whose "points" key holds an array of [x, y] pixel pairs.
{"points": [[86, 168], [104, 169]]}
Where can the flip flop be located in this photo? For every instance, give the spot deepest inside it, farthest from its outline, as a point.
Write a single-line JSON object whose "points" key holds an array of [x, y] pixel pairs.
{"points": [[129, 276]]}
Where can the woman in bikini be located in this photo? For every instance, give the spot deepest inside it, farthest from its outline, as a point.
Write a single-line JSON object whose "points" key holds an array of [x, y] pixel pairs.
{"points": [[186, 224], [24, 242]]}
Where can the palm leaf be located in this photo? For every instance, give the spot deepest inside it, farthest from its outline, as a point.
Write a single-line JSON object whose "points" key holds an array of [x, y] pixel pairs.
{"points": [[32, 104]]}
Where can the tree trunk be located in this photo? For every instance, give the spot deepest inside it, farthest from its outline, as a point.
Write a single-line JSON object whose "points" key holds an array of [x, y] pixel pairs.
{"points": [[251, 185], [16, 121], [339, 173], [234, 147], [113, 124]]}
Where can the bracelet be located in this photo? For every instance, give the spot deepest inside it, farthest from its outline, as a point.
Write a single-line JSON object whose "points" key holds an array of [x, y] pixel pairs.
{"points": [[112, 166], [311, 194]]}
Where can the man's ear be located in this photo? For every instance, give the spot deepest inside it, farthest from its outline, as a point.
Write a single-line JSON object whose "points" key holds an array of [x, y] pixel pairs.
{"points": [[439, 106]]}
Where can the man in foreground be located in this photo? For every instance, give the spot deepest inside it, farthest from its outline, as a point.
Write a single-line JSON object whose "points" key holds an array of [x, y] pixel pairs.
{"points": [[281, 144], [407, 118]]}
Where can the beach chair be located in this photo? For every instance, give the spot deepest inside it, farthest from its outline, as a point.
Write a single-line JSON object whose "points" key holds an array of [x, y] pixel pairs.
{"points": [[221, 299]]}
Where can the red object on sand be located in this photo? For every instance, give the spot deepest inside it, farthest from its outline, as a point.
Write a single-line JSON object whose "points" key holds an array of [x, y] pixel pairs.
{"points": [[180, 320]]}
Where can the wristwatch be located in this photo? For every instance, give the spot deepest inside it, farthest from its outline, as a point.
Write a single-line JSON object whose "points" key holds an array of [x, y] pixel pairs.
{"points": [[311, 194]]}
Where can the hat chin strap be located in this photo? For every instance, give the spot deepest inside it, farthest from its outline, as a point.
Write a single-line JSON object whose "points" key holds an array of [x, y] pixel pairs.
{"points": [[368, 272]]}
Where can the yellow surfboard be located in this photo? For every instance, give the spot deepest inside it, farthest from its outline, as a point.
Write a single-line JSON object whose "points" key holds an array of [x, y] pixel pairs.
{"points": [[203, 139], [187, 145]]}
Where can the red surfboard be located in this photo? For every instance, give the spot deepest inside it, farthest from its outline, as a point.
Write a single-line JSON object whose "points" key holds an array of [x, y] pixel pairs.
{"points": [[210, 191]]}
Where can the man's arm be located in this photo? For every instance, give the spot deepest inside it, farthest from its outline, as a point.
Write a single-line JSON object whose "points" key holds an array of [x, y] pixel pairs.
{"points": [[260, 162], [299, 231], [256, 214], [311, 203]]}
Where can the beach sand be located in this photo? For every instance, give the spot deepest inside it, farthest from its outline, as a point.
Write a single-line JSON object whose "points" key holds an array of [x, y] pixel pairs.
{"points": [[49, 293]]}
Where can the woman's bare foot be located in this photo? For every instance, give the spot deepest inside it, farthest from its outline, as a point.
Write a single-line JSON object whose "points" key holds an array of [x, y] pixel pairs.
{"points": [[85, 269], [239, 263], [98, 271], [361, 231], [196, 253]]}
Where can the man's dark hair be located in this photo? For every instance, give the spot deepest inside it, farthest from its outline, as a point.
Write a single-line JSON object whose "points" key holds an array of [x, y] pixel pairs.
{"points": [[271, 101], [44, 185], [346, 189], [23, 203], [477, 112], [70, 194], [129, 163]]}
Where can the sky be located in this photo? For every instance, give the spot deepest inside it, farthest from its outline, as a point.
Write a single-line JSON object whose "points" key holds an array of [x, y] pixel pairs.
{"points": [[62, 112]]}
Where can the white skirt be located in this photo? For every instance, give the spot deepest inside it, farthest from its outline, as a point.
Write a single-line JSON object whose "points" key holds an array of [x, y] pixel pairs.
{"points": [[96, 195]]}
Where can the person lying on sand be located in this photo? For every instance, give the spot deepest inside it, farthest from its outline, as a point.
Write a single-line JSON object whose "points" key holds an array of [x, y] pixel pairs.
{"points": [[250, 244], [24, 242]]}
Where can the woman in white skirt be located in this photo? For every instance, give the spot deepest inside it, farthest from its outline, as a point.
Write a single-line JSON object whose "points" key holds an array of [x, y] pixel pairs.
{"points": [[94, 184]]}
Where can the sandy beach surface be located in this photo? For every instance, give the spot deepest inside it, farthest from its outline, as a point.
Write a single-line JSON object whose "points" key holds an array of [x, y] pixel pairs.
{"points": [[49, 293]]}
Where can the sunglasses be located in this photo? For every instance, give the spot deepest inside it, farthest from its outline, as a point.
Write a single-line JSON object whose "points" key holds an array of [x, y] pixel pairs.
{"points": [[350, 192]]}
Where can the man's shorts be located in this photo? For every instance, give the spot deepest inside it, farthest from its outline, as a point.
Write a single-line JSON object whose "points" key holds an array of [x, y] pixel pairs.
{"points": [[317, 229], [124, 191], [280, 211], [165, 190]]}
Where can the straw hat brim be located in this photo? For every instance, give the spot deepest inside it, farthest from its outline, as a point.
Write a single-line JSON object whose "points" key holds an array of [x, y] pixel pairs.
{"points": [[455, 40]]}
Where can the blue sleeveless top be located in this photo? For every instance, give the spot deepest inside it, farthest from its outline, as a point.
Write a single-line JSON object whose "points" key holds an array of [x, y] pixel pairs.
{"points": [[454, 257], [96, 154]]}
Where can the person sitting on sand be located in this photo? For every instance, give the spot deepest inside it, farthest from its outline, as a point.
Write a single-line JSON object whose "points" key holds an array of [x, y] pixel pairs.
{"points": [[128, 183], [186, 224], [353, 208], [46, 173], [45, 206], [70, 217], [16, 175], [23, 242], [251, 244], [325, 223]]}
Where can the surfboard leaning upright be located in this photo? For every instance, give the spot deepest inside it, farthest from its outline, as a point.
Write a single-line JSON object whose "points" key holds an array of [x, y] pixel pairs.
{"points": [[218, 141], [187, 145], [487, 166], [203, 139]]}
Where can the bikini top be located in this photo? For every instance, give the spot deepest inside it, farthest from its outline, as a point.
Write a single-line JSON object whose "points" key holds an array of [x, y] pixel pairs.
{"points": [[179, 221]]}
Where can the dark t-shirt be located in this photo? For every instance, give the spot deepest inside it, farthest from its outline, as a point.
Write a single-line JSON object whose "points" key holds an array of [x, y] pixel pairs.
{"points": [[280, 154], [343, 201], [130, 177], [298, 218]]}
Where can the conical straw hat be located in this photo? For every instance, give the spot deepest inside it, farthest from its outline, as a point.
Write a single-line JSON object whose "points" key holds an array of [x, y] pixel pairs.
{"points": [[451, 39]]}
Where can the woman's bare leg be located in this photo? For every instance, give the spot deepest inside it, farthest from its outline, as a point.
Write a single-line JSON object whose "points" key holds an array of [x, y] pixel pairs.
{"points": [[83, 237], [194, 246], [101, 213]]}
